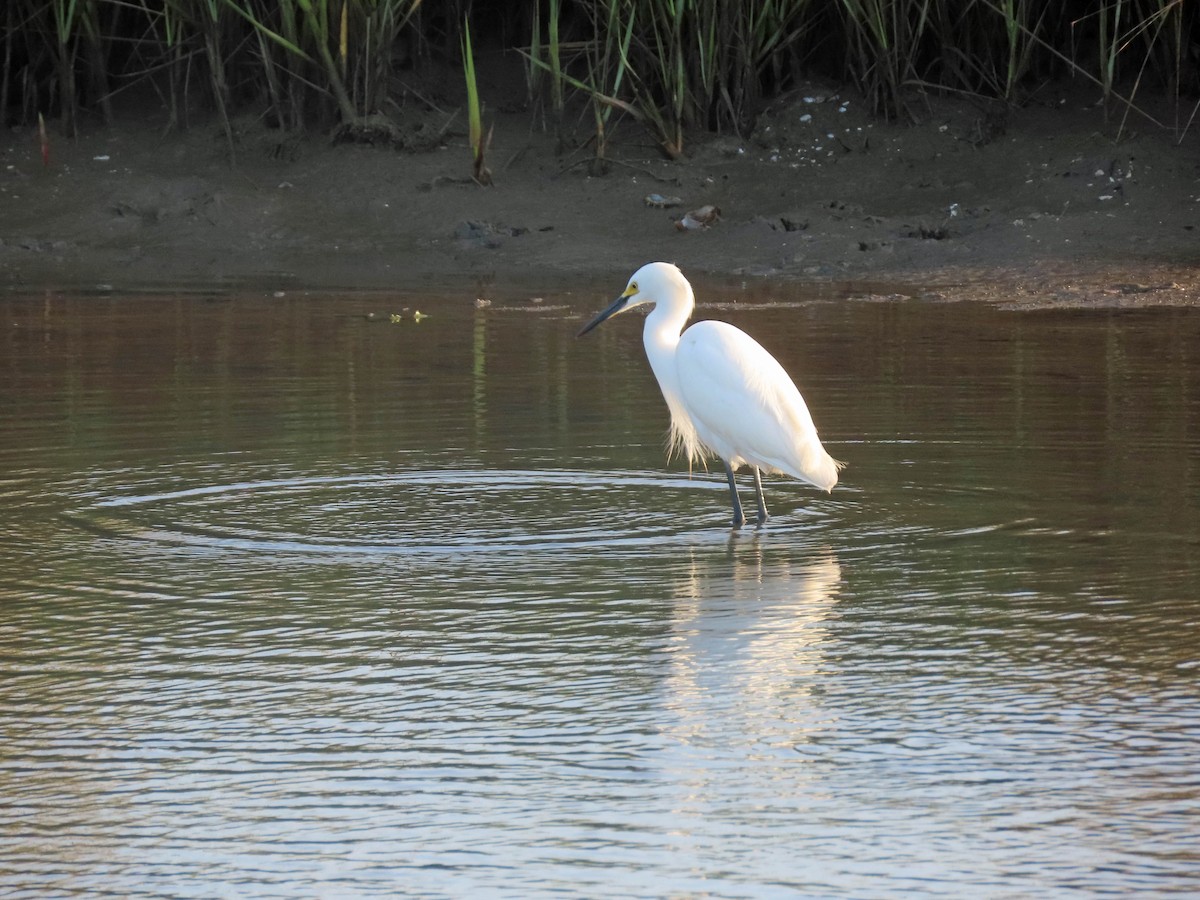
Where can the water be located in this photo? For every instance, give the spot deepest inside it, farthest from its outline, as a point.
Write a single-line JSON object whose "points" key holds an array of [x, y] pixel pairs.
{"points": [[296, 602]]}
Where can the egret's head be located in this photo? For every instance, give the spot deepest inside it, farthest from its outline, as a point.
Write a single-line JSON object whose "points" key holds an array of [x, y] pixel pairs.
{"points": [[656, 282]]}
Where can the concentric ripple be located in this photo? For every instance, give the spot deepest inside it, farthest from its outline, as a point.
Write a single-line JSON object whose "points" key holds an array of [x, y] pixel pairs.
{"points": [[440, 511]]}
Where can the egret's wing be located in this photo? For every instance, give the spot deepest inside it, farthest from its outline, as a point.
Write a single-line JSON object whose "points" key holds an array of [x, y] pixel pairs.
{"points": [[745, 406]]}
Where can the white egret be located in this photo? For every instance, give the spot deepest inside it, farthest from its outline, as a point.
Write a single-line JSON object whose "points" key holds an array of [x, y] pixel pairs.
{"points": [[727, 395]]}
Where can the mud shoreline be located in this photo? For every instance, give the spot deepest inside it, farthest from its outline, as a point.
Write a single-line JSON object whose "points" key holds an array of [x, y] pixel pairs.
{"points": [[1050, 207]]}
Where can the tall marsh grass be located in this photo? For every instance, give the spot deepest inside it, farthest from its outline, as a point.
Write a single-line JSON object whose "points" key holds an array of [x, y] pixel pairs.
{"points": [[672, 65], [475, 136]]}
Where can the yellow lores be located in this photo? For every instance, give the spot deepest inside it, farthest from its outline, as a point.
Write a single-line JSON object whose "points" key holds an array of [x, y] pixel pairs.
{"points": [[727, 395]]}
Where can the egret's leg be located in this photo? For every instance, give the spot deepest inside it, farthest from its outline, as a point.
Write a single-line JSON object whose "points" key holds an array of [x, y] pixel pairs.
{"points": [[739, 518], [762, 502]]}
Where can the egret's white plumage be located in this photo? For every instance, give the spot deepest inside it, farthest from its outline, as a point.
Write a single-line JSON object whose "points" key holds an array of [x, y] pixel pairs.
{"points": [[727, 395]]}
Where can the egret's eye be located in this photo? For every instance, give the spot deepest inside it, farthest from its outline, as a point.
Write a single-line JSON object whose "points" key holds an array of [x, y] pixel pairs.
{"points": [[633, 288]]}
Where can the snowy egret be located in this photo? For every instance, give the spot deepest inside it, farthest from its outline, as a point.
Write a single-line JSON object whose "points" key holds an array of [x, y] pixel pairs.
{"points": [[727, 395]]}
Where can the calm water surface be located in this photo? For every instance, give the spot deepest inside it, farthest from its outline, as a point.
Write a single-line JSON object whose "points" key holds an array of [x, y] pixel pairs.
{"points": [[296, 602]]}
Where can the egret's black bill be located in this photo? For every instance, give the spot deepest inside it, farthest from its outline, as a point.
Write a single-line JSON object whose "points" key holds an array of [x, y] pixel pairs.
{"points": [[608, 313]]}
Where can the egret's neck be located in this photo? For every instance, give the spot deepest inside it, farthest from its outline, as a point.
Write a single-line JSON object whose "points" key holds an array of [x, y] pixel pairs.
{"points": [[664, 324], [661, 337]]}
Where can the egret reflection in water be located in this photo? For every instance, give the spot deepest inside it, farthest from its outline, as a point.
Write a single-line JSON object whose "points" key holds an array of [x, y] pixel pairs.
{"points": [[749, 639]]}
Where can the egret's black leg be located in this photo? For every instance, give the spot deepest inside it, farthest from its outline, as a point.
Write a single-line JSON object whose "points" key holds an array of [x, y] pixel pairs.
{"points": [[762, 503], [739, 518]]}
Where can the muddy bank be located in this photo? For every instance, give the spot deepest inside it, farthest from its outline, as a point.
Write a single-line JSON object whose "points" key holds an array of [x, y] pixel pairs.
{"points": [[1045, 203]]}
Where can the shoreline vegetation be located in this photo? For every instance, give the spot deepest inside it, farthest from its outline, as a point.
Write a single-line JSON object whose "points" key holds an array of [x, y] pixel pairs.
{"points": [[673, 66]]}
